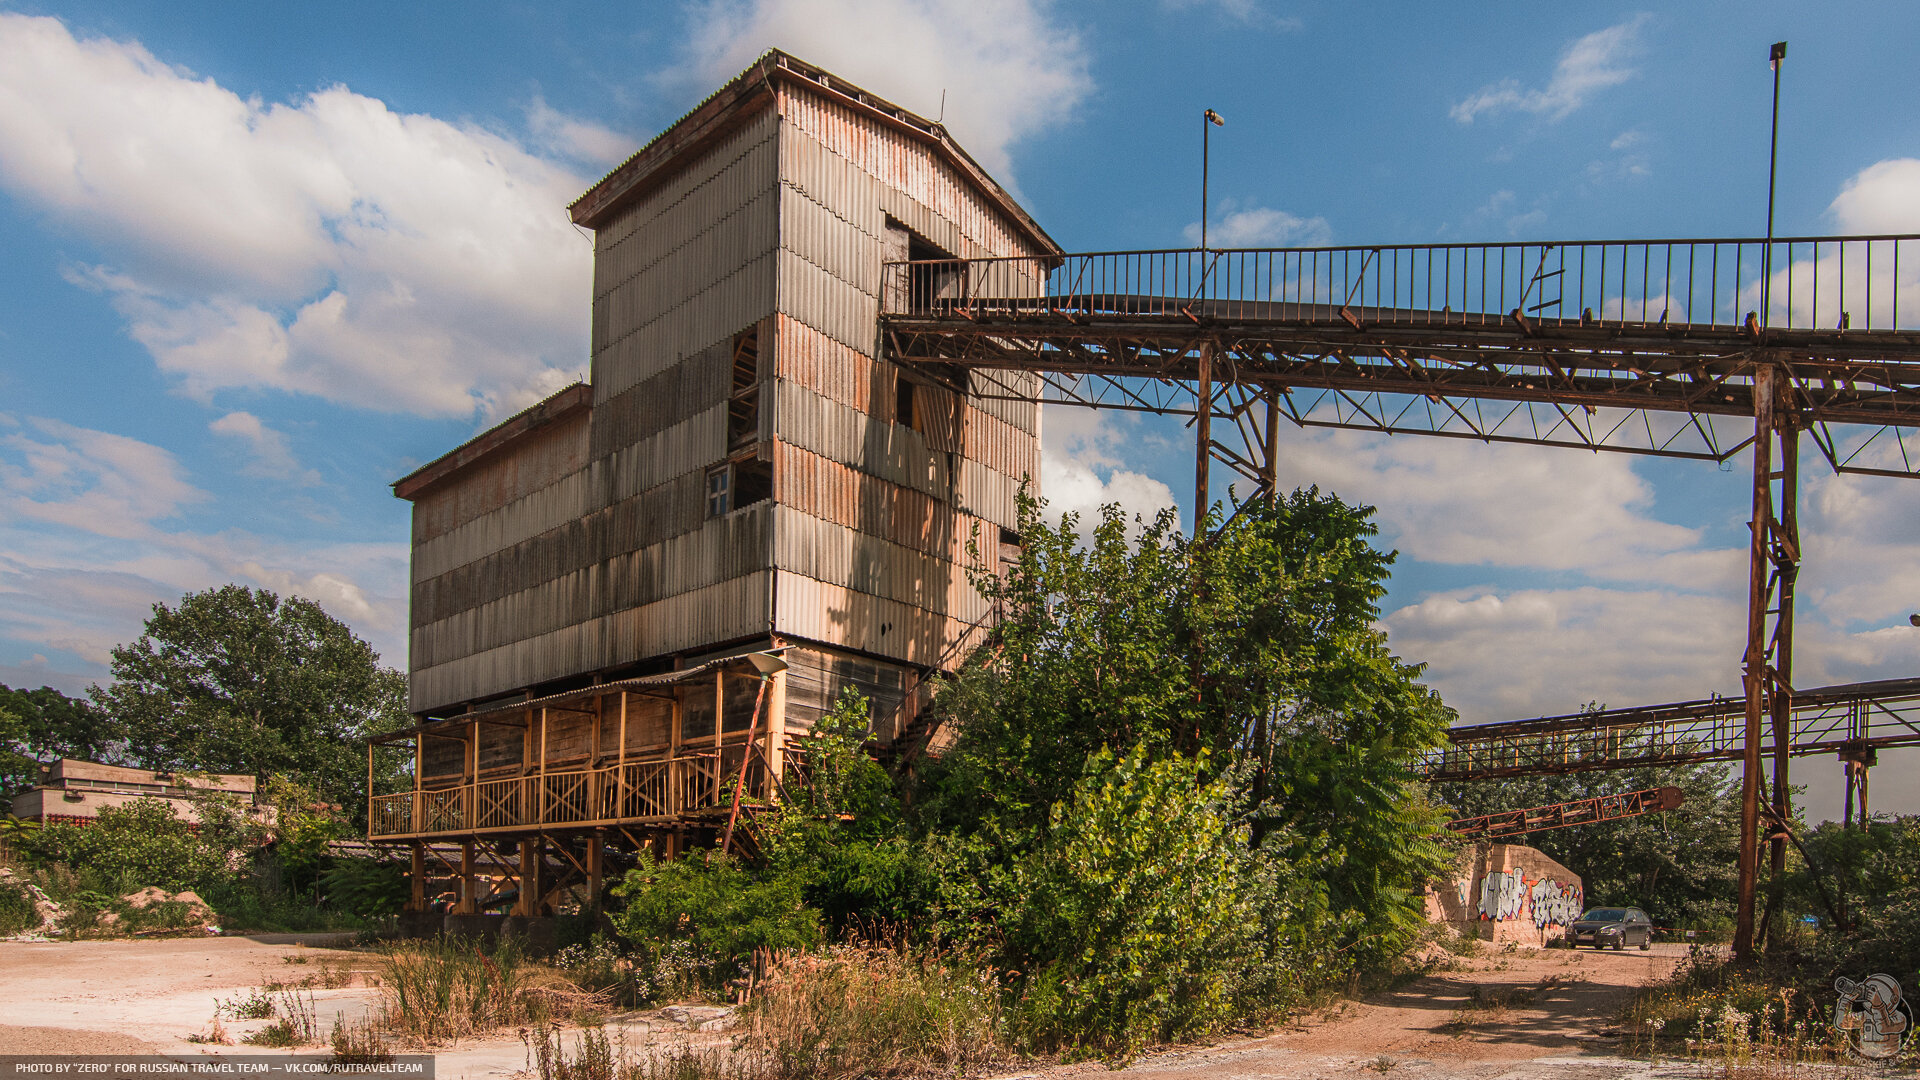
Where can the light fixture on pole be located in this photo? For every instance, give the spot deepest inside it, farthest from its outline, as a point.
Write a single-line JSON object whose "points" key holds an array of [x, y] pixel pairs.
{"points": [[1776, 58], [1208, 121]]}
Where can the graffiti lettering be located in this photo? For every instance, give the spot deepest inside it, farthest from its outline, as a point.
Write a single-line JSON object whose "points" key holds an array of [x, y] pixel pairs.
{"points": [[1508, 895]]}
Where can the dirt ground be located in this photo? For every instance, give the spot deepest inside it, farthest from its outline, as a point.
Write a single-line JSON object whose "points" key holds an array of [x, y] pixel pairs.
{"points": [[1521, 1015]]}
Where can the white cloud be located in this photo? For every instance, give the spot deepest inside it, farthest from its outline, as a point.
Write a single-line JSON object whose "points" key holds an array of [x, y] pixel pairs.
{"points": [[1589, 65], [1080, 468], [92, 480], [580, 140], [269, 455], [1238, 226], [1008, 68], [1462, 503], [86, 548], [328, 246], [1882, 198], [1503, 207], [1509, 654]]}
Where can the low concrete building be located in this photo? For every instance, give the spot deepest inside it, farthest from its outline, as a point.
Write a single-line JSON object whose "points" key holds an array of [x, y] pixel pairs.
{"points": [[1508, 893], [76, 791]]}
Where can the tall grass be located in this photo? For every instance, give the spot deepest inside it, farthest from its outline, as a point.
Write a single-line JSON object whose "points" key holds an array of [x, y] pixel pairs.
{"points": [[873, 1011], [1734, 1022], [443, 990]]}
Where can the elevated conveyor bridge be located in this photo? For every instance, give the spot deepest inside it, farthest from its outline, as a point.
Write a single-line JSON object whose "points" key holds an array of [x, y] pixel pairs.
{"points": [[1690, 348]]}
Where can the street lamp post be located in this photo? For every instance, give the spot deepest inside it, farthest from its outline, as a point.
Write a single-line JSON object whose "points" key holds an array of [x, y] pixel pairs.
{"points": [[1776, 58], [1208, 121]]}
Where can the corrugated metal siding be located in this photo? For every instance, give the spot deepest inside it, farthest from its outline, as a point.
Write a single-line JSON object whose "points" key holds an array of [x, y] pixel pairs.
{"points": [[853, 438], [826, 489], [723, 548], [816, 678], [725, 611], [694, 385], [836, 615], [827, 551], [568, 499], [534, 462]]}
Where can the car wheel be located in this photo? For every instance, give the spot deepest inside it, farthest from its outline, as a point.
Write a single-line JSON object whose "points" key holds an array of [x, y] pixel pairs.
{"points": [[1646, 943], [1619, 943]]}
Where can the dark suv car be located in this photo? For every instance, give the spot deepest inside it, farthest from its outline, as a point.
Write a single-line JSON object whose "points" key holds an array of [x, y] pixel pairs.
{"points": [[1618, 927]]}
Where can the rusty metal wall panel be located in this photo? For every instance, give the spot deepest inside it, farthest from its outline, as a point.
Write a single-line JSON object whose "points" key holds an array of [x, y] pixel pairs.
{"points": [[1022, 414], [723, 548], [835, 308], [989, 494], [864, 562], [724, 611], [835, 615], [568, 499], [531, 463], [832, 243], [853, 438], [831, 369], [689, 446], [826, 489], [694, 385]]}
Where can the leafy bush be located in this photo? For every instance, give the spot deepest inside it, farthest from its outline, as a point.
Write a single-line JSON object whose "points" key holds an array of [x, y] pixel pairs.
{"points": [[365, 888], [1135, 917], [17, 914], [136, 845], [713, 904]]}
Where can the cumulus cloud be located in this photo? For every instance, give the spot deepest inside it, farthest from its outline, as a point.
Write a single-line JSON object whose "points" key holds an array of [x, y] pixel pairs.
{"points": [[268, 454], [1589, 65], [1008, 68], [90, 539], [327, 246], [1081, 469], [1469, 504], [1237, 226], [1882, 198], [577, 139]]}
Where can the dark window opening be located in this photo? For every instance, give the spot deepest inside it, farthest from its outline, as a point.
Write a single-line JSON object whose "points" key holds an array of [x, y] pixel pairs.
{"points": [[902, 400], [1009, 549], [743, 402], [752, 482], [935, 280]]}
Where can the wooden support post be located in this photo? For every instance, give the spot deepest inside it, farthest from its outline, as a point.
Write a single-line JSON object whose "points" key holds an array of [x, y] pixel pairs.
{"points": [[369, 791], [1203, 435], [469, 895], [596, 867], [777, 726], [528, 903], [417, 877], [541, 782], [719, 732], [418, 823], [620, 764], [1784, 558]]}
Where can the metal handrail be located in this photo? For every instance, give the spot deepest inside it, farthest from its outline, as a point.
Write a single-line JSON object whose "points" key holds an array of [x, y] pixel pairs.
{"points": [[1838, 283]]}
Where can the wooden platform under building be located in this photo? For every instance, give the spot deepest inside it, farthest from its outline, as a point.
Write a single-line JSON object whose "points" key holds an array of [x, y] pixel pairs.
{"points": [[635, 763]]}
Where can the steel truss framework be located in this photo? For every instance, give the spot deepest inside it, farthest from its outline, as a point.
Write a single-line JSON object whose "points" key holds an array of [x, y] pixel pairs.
{"points": [[1690, 349], [1566, 814]]}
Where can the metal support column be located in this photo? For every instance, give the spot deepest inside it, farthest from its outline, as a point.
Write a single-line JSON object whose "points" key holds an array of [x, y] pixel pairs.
{"points": [[1773, 564], [1203, 434], [1270, 465]]}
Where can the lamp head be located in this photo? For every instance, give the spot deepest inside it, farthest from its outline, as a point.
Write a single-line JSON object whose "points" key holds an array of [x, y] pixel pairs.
{"points": [[766, 663], [1214, 117]]}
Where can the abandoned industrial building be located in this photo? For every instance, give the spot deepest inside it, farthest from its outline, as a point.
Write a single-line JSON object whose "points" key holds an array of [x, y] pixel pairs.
{"points": [[601, 584]]}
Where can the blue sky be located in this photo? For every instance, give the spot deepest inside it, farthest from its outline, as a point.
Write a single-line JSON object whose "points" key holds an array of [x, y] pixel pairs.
{"points": [[262, 260]]}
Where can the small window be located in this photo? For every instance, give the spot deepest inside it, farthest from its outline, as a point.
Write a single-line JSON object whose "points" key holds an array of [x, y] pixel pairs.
{"points": [[719, 491]]}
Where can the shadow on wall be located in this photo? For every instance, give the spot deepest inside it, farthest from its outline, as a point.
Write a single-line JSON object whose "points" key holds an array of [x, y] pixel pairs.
{"points": [[1508, 893]]}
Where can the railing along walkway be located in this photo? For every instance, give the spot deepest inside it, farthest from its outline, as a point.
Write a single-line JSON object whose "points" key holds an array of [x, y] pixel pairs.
{"points": [[635, 793]]}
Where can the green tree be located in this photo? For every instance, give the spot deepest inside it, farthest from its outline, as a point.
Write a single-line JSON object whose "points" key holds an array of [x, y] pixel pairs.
{"points": [[50, 725], [1257, 648], [239, 680], [1681, 865]]}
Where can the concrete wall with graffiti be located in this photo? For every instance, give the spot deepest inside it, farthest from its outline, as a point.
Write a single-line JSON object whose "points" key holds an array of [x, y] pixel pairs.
{"points": [[1508, 893]]}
